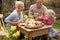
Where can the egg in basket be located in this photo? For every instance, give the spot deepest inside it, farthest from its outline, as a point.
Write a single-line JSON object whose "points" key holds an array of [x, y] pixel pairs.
{"points": [[32, 24]]}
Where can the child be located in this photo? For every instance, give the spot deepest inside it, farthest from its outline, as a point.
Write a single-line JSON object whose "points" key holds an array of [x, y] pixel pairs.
{"points": [[49, 17], [49, 20]]}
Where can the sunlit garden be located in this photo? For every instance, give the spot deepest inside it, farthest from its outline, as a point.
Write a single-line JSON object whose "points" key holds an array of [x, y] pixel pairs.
{"points": [[29, 20]]}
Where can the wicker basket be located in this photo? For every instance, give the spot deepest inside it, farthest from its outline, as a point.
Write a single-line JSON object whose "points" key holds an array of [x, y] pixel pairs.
{"points": [[38, 25]]}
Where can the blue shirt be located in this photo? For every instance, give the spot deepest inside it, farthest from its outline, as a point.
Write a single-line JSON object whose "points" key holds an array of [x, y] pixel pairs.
{"points": [[13, 17]]}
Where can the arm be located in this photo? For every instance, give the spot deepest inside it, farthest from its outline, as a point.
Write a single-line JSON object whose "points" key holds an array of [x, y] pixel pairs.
{"points": [[31, 11], [40, 18], [49, 21], [44, 9], [10, 18]]}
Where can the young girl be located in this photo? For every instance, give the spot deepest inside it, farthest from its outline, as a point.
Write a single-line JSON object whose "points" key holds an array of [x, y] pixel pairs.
{"points": [[48, 19], [50, 14]]}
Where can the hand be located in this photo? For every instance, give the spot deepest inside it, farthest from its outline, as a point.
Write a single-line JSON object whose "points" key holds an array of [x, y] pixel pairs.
{"points": [[15, 23], [18, 23], [36, 18], [35, 14], [45, 18]]}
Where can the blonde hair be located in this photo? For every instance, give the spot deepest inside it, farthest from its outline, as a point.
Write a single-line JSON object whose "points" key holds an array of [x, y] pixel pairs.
{"points": [[52, 13], [18, 3]]}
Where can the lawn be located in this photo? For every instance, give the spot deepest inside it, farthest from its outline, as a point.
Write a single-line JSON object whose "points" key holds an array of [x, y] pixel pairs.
{"points": [[57, 26]]}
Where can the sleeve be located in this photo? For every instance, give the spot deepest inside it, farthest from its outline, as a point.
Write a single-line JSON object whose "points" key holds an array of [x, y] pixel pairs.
{"points": [[31, 11], [10, 18], [49, 21], [45, 8], [40, 18]]}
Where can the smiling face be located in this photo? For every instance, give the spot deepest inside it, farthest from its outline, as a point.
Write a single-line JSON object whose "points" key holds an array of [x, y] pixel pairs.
{"points": [[48, 14], [19, 5], [20, 8], [38, 3]]}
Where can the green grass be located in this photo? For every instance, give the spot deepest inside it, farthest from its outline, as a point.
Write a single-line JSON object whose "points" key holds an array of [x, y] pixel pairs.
{"points": [[58, 20], [56, 26]]}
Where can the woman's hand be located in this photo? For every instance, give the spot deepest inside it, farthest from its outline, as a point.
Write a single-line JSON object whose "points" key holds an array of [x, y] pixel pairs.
{"points": [[15, 23]]}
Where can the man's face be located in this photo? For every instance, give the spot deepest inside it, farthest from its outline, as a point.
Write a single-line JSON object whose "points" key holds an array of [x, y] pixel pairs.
{"points": [[38, 3]]}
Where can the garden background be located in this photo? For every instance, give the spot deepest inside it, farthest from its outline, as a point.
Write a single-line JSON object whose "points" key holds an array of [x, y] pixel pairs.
{"points": [[7, 6]]}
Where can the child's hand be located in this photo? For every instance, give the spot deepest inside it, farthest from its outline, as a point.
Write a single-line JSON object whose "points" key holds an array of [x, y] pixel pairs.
{"points": [[45, 18], [40, 18]]}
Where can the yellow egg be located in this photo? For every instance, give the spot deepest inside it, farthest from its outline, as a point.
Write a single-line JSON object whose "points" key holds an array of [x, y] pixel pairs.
{"points": [[25, 16]]}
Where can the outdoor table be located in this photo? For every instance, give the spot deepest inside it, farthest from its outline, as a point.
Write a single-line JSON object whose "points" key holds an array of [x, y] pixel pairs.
{"points": [[35, 32]]}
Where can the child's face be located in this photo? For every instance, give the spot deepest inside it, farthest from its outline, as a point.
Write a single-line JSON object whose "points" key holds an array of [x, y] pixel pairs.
{"points": [[47, 14]]}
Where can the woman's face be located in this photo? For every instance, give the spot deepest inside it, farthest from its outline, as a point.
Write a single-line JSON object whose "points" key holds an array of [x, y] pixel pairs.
{"points": [[20, 8]]}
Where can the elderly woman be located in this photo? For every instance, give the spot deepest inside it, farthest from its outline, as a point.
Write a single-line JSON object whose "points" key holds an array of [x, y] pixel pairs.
{"points": [[16, 16]]}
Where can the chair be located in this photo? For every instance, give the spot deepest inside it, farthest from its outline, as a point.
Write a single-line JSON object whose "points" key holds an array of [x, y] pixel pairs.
{"points": [[2, 33], [1, 20]]}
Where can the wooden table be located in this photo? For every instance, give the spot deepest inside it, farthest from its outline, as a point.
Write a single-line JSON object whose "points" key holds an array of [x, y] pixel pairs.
{"points": [[35, 32]]}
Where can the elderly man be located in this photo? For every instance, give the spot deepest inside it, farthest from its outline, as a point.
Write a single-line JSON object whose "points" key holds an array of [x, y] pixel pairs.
{"points": [[37, 8]]}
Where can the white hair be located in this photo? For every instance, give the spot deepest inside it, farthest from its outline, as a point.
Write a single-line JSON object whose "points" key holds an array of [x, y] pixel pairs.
{"points": [[18, 3]]}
